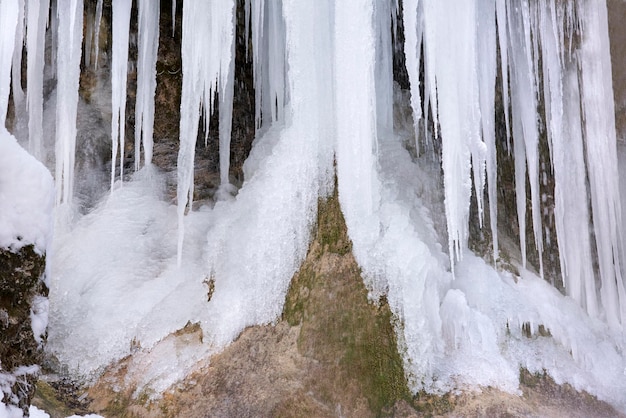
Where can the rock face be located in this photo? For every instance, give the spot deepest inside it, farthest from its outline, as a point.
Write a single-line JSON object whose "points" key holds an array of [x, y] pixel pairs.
{"points": [[21, 288]]}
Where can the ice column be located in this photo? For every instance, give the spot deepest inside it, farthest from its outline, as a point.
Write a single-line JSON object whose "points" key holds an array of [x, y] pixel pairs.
{"points": [[35, 44], [486, 63], [8, 23], [119, 64], [601, 152], [70, 37], [412, 51], [355, 98], [268, 37], [525, 129], [146, 79], [16, 70]]}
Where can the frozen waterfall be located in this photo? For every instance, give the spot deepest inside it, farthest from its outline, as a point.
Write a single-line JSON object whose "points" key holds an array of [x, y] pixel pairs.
{"points": [[326, 105]]}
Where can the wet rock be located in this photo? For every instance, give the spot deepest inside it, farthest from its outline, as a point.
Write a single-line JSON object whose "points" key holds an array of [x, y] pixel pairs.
{"points": [[21, 352]]}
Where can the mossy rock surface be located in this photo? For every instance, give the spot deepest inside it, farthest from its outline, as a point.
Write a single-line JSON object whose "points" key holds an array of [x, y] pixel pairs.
{"points": [[21, 272], [340, 328]]}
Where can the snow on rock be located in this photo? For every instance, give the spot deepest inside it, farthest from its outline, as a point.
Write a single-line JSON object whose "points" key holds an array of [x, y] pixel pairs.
{"points": [[26, 197]]}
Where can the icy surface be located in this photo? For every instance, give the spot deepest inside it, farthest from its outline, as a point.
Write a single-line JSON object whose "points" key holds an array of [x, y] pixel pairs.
{"points": [[26, 197], [121, 283]]}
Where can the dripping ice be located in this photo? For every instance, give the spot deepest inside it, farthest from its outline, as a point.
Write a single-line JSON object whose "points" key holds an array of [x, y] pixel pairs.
{"points": [[325, 92]]}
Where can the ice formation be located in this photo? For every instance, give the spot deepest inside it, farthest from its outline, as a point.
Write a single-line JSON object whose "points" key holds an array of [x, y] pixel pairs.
{"points": [[325, 103], [70, 38], [146, 79], [37, 20], [119, 71]]}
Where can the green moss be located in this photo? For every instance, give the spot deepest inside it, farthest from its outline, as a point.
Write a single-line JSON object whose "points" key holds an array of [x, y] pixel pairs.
{"points": [[46, 398], [340, 327], [118, 407], [331, 226], [429, 405]]}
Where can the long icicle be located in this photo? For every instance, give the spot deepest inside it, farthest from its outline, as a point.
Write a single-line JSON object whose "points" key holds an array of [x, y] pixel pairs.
{"points": [[70, 26], [119, 64], [146, 79]]}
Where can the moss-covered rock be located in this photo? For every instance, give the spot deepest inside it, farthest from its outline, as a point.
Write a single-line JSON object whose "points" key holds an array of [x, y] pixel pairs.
{"points": [[352, 339], [20, 284]]}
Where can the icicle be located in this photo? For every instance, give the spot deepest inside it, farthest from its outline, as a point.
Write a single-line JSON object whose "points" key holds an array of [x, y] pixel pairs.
{"points": [[226, 93], [524, 97], [487, 65], [599, 116], [36, 24], [384, 69], [458, 108], [16, 71], [96, 36], [146, 79], [412, 51], [53, 28], [430, 41], [503, 43], [355, 97], [268, 37], [173, 17], [70, 25], [20, 120], [8, 22], [208, 61], [119, 72], [89, 32]]}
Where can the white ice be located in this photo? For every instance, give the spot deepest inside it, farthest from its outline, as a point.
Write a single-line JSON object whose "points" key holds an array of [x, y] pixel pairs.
{"points": [[146, 79], [119, 76]]}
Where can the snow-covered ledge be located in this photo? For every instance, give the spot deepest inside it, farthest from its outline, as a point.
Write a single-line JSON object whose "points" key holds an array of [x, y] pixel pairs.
{"points": [[26, 206]]}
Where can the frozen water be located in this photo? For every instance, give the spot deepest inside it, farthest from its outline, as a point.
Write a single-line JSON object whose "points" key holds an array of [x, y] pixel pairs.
{"points": [[324, 96], [8, 23], [35, 36], [208, 67], [119, 72], [70, 36], [146, 79]]}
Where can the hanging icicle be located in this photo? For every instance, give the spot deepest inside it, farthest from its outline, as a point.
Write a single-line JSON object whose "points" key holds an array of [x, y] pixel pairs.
{"points": [[70, 38], [35, 36], [119, 64], [207, 67], [8, 21], [146, 79]]}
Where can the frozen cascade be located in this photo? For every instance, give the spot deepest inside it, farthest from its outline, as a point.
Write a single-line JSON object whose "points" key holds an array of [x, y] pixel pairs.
{"points": [[598, 114], [119, 73], [324, 88], [207, 69], [70, 37], [146, 79], [37, 19]]}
